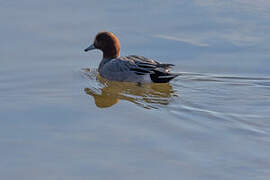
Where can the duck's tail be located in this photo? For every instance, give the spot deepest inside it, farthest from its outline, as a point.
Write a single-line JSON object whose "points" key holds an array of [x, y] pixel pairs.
{"points": [[162, 76]]}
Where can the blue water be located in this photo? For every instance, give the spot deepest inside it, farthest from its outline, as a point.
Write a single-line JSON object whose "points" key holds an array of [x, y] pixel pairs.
{"points": [[58, 120]]}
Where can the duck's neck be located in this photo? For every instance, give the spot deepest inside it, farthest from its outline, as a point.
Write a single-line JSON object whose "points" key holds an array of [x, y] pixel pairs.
{"points": [[111, 53]]}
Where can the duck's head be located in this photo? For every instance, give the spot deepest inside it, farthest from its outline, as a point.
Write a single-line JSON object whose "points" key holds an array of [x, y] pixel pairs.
{"points": [[108, 43]]}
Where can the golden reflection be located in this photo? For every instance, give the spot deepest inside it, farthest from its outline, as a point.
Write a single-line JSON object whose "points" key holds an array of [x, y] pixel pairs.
{"points": [[145, 95]]}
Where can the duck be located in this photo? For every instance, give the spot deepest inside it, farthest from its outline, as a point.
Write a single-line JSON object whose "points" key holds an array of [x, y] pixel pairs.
{"points": [[132, 68]]}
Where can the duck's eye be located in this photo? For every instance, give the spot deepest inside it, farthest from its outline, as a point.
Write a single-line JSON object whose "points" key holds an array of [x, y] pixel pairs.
{"points": [[96, 43]]}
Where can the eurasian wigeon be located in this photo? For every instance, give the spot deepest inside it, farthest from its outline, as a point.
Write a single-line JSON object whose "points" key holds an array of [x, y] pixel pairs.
{"points": [[129, 68]]}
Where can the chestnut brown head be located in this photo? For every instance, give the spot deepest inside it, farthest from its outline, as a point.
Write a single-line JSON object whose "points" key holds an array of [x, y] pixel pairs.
{"points": [[108, 43]]}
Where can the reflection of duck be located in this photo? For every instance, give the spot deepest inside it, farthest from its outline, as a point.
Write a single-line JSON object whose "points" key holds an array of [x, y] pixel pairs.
{"points": [[129, 68], [143, 95]]}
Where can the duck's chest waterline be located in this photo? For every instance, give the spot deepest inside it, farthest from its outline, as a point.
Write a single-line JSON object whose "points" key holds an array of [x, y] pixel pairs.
{"points": [[125, 76]]}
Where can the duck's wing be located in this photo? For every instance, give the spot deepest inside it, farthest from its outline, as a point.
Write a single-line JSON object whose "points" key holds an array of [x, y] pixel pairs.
{"points": [[142, 65], [158, 72]]}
